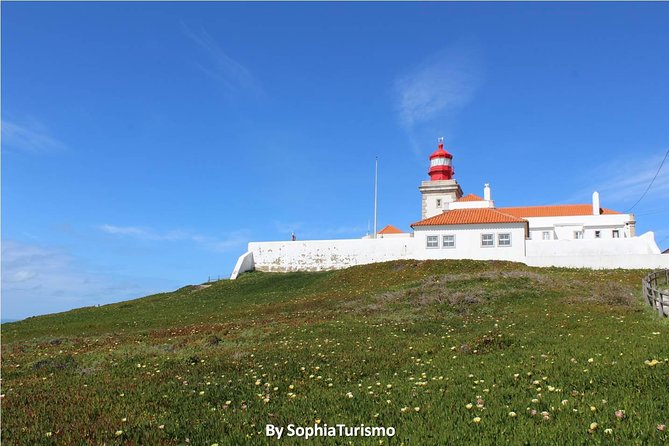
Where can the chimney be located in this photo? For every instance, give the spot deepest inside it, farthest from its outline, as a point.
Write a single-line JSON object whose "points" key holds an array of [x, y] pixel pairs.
{"points": [[486, 192], [595, 203]]}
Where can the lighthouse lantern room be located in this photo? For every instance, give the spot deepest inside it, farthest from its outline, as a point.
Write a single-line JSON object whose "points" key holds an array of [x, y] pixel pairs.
{"points": [[442, 188], [441, 164]]}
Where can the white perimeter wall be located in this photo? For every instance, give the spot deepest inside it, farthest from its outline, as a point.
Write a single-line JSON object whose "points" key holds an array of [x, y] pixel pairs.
{"points": [[321, 255]]}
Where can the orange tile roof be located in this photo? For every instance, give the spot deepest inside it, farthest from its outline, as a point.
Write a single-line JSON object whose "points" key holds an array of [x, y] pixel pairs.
{"points": [[470, 217], [561, 210], [390, 229], [470, 197]]}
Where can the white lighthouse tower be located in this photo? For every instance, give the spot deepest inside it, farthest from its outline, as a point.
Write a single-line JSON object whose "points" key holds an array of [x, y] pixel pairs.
{"points": [[441, 188]]}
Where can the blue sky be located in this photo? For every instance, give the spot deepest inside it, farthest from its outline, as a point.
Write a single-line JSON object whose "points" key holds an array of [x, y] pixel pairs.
{"points": [[144, 144]]}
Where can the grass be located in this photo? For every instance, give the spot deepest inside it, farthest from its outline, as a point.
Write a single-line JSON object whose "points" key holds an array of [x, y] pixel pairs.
{"points": [[426, 347]]}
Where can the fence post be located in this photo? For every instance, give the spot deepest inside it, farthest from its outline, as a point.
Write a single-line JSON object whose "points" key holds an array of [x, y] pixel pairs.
{"points": [[654, 295]]}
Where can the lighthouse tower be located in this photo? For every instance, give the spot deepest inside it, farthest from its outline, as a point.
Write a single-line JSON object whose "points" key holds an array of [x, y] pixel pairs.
{"points": [[441, 189]]}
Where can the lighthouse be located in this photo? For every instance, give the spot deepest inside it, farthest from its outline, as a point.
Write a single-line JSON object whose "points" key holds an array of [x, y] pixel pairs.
{"points": [[442, 188]]}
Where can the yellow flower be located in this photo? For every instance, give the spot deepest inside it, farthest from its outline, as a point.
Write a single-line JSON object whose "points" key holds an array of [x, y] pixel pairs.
{"points": [[118, 433], [591, 360], [417, 409], [469, 406], [476, 420], [608, 431], [513, 414], [593, 408], [201, 392], [593, 426]]}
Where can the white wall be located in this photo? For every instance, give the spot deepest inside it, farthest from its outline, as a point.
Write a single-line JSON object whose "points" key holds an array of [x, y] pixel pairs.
{"points": [[244, 263], [468, 242], [321, 255], [644, 244]]}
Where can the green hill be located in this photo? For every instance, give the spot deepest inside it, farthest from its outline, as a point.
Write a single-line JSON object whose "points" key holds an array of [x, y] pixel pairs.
{"points": [[446, 352]]}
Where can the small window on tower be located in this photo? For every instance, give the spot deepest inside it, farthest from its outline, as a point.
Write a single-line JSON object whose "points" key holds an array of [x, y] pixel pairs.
{"points": [[578, 235], [438, 202], [546, 235], [616, 233], [598, 234]]}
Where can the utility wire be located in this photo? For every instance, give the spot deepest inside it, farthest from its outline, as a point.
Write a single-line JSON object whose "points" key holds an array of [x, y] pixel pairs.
{"points": [[651, 182]]}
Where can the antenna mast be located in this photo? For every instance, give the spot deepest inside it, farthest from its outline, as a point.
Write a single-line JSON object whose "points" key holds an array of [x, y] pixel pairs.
{"points": [[376, 192]]}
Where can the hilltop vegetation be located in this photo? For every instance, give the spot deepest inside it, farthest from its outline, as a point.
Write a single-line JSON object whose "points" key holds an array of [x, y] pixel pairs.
{"points": [[447, 352]]}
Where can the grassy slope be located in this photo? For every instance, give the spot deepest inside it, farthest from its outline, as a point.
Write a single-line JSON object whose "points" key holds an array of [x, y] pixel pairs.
{"points": [[433, 335]]}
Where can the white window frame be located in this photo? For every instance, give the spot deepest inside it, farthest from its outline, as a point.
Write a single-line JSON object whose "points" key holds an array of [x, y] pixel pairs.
{"points": [[615, 233], [428, 241], [492, 240], [578, 235], [499, 240], [546, 235], [443, 241]]}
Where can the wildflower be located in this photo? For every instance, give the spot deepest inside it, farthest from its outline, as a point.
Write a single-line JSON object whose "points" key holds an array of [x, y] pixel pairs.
{"points": [[652, 363], [593, 427], [533, 412], [593, 409], [535, 400], [123, 420], [48, 434], [591, 360], [404, 409], [476, 420], [608, 431], [265, 400], [162, 426], [118, 433], [620, 414], [661, 427], [513, 414], [564, 402], [389, 386], [349, 395], [227, 403], [469, 406], [201, 392], [317, 421], [417, 409]]}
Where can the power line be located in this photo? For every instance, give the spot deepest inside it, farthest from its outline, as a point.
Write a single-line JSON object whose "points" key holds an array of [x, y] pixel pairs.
{"points": [[651, 182]]}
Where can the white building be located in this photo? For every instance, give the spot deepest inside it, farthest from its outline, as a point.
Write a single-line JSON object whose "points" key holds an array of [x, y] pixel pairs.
{"points": [[454, 226]]}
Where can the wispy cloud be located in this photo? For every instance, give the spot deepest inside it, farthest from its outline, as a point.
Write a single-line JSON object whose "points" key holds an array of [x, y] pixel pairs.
{"points": [[232, 241], [441, 84], [623, 187], [29, 137], [220, 66], [38, 280]]}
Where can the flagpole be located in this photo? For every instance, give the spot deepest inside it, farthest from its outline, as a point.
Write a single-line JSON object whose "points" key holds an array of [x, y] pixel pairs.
{"points": [[376, 192]]}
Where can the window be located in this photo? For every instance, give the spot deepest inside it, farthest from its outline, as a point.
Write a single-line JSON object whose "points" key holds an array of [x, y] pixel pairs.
{"points": [[438, 202], [598, 234], [578, 234], [503, 239], [432, 241], [487, 240], [616, 233], [546, 235], [448, 241]]}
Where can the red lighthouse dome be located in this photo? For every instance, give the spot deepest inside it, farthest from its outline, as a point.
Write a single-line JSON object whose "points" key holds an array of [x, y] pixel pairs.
{"points": [[441, 164]]}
